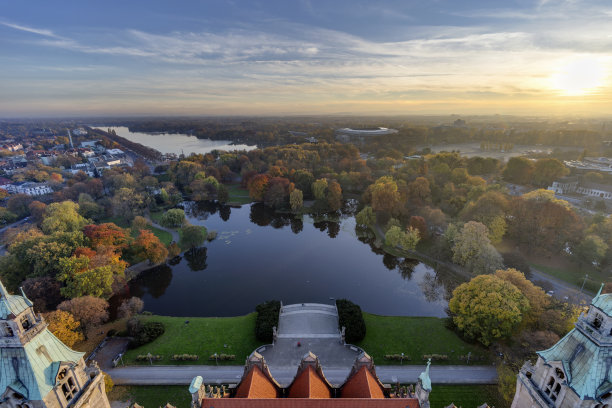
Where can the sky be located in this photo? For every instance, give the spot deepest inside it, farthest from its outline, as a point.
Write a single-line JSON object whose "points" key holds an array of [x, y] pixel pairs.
{"points": [[286, 57]]}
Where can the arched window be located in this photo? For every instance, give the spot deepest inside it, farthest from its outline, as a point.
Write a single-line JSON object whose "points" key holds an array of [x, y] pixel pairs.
{"points": [[597, 321], [5, 330], [559, 373], [552, 389]]}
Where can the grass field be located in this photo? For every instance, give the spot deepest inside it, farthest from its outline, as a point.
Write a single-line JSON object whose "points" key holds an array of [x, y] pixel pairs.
{"points": [[203, 336], [465, 396], [416, 336], [238, 194], [153, 396], [575, 276], [164, 236]]}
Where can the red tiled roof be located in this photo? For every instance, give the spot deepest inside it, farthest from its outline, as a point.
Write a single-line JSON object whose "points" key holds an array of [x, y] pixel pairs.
{"points": [[256, 385], [311, 403], [309, 385], [362, 385]]}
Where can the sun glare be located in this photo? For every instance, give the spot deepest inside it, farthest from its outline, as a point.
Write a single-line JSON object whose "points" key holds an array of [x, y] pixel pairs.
{"points": [[580, 76]]}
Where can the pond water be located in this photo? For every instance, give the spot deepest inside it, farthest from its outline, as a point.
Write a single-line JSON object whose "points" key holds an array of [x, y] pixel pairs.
{"points": [[260, 255], [176, 143]]}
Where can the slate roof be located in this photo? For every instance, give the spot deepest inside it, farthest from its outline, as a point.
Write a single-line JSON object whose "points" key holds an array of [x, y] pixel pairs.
{"points": [[33, 367], [12, 304], [603, 302]]}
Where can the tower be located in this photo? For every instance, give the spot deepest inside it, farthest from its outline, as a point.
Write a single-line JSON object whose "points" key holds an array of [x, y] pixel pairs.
{"points": [[577, 371], [37, 370]]}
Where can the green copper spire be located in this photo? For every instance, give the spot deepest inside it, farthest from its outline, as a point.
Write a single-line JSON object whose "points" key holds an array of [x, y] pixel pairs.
{"points": [[424, 377]]}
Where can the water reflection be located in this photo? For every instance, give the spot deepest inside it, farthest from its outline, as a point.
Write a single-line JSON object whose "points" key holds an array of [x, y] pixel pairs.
{"points": [[196, 258], [292, 261]]}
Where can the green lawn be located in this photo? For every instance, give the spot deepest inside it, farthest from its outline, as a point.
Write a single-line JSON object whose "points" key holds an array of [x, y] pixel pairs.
{"points": [[153, 396], [416, 336], [465, 396], [118, 221], [156, 216], [237, 194], [203, 336], [575, 276], [164, 236]]}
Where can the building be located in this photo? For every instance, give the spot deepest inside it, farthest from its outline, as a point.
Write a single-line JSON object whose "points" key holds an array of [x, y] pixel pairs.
{"points": [[570, 185], [577, 371], [37, 370], [28, 188], [351, 135], [310, 388]]}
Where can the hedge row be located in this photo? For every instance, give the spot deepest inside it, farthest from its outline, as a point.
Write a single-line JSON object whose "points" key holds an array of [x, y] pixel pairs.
{"points": [[267, 318], [350, 317]]}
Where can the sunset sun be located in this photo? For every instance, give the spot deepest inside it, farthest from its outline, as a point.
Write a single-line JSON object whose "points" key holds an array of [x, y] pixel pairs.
{"points": [[581, 76]]}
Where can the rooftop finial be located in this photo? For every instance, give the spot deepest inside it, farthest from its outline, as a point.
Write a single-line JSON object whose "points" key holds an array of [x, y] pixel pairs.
{"points": [[600, 289], [424, 377], [3, 292]]}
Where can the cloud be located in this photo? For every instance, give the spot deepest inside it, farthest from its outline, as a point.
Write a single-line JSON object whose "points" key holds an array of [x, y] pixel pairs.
{"points": [[39, 31]]}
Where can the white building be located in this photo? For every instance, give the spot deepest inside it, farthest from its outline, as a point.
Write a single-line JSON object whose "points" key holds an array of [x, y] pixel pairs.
{"points": [[571, 185]]}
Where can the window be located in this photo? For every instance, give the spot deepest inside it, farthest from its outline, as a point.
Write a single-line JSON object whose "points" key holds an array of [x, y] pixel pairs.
{"points": [[69, 389], [559, 373], [552, 389], [597, 321], [5, 330], [25, 323]]}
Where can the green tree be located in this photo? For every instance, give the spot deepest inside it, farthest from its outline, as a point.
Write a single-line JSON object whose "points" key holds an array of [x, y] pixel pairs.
{"points": [[319, 187], [548, 170], [296, 200], [192, 236], [407, 240], [366, 216], [127, 203], [487, 308], [173, 218], [63, 217], [472, 249], [538, 300], [519, 170], [591, 250], [79, 280]]}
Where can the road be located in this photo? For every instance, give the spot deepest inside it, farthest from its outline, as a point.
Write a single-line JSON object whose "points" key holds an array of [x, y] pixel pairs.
{"points": [[560, 288], [176, 375]]}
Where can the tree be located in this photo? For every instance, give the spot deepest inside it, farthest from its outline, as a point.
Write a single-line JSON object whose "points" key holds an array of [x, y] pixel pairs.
{"points": [[63, 217], [140, 223], [37, 211], [319, 187], [64, 326], [296, 200], [192, 236], [519, 170], [334, 196], [257, 186], [79, 280], [385, 196], [204, 188], [277, 192], [490, 209], [44, 292], [487, 308], [127, 203], [548, 170], [130, 307], [419, 224], [148, 246], [107, 234], [90, 311], [18, 204], [472, 249], [173, 218], [366, 216], [591, 250], [538, 300], [408, 240]]}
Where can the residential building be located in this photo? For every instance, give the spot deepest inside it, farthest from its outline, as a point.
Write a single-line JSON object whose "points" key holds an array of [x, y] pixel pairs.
{"points": [[571, 185], [577, 371], [37, 370]]}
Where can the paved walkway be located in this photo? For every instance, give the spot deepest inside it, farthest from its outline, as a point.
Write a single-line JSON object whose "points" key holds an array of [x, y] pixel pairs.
{"points": [[182, 375], [173, 232], [314, 327]]}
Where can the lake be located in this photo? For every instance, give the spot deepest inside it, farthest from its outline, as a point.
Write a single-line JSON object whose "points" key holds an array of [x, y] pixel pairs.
{"points": [[261, 255], [176, 143]]}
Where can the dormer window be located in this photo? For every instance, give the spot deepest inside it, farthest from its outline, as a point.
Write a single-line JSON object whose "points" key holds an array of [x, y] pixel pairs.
{"points": [[69, 389], [5, 330], [597, 321], [559, 373], [25, 323]]}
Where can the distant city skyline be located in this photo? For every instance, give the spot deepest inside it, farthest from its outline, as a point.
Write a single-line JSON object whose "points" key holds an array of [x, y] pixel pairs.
{"points": [[75, 58]]}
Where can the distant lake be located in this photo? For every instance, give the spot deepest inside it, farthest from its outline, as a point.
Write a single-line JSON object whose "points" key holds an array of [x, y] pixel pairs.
{"points": [[260, 255], [176, 143]]}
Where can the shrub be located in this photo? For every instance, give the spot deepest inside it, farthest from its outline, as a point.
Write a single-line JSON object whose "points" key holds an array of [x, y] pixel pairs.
{"points": [[149, 357], [267, 318], [435, 357], [350, 316], [222, 357], [185, 357], [397, 357], [144, 333]]}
